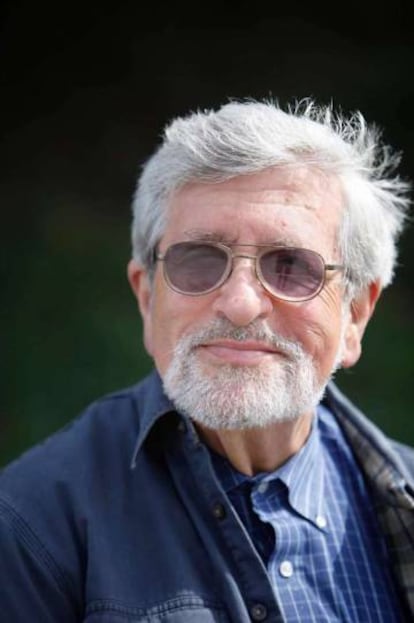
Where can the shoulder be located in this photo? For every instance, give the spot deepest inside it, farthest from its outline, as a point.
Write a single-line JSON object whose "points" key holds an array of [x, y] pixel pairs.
{"points": [[406, 454], [61, 499], [57, 493], [89, 432], [95, 446]]}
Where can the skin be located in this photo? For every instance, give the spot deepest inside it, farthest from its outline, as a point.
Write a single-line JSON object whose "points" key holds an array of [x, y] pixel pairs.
{"points": [[294, 206]]}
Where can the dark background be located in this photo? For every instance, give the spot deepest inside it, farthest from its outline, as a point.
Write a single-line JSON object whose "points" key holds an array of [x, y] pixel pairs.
{"points": [[85, 92]]}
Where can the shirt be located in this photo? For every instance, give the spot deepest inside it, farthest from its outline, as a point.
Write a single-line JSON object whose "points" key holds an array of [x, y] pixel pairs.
{"points": [[119, 517], [313, 522]]}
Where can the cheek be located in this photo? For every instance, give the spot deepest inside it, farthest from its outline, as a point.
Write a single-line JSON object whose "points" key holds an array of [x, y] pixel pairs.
{"points": [[318, 325], [172, 316], [163, 327]]}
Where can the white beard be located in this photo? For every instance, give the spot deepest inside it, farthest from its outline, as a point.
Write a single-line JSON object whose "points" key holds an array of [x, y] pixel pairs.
{"points": [[241, 397]]}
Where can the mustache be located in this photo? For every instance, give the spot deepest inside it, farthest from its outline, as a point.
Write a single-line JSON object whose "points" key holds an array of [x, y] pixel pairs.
{"points": [[221, 328]]}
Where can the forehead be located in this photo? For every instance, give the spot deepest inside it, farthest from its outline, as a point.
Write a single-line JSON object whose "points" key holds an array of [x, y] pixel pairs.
{"points": [[286, 204]]}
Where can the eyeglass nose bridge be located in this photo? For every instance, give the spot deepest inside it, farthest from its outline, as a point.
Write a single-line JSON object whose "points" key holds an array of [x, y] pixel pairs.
{"points": [[243, 255], [255, 258]]}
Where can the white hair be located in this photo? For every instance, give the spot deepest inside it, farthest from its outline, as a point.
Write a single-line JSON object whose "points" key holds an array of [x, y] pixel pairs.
{"points": [[246, 137]]}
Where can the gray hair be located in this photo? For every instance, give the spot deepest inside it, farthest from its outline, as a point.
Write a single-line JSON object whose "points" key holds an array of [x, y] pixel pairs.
{"points": [[247, 137]]}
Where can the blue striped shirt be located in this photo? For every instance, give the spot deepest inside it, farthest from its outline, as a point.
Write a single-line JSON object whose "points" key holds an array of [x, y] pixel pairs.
{"points": [[313, 522]]}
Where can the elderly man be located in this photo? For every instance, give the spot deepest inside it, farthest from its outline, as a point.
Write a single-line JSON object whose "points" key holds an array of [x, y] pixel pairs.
{"points": [[235, 483]]}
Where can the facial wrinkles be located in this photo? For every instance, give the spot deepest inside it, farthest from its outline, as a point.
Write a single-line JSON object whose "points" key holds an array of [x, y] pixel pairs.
{"points": [[334, 305]]}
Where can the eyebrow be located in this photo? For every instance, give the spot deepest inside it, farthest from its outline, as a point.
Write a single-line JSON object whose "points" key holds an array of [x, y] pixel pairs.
{"points": [[202, 235], [208, 236]]}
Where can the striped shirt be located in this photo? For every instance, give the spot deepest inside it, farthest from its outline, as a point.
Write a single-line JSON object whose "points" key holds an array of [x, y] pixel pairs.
{"points": [[314, 524]]}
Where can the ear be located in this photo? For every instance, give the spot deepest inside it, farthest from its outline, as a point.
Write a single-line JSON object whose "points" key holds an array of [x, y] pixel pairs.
{"points": [[141, 287], [360, 311]]}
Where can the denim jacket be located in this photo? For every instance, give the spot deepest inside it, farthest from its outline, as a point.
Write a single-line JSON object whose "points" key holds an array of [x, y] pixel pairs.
{"points": [[118, 518]]}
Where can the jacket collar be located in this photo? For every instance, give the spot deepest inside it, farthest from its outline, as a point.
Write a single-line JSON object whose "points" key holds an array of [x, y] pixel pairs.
{"points": [[151, 405], [377, 456]]}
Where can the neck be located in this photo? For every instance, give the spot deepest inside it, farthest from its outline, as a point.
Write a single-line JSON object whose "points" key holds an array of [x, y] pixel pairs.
{"points": [[251, 451]]}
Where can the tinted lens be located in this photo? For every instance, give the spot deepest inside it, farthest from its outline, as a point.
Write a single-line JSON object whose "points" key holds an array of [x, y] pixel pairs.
{"points": [[194, 268], [293, 273]]}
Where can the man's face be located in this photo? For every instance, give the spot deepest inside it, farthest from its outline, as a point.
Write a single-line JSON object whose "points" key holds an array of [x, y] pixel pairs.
{"points": [[285, 206]]}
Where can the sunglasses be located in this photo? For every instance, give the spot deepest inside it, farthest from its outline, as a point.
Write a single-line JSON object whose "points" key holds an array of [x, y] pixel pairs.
{"points": [[287, 273]]}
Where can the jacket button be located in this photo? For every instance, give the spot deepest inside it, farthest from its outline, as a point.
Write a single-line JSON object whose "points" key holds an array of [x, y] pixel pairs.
{"points": [[219, 511], [182, 427], [258, 612]]}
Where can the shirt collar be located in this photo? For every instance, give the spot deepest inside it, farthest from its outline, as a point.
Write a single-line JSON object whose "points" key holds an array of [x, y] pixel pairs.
{"points": [[302, 476]]}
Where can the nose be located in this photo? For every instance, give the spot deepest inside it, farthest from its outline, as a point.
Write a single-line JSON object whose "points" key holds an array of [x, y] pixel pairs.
{"points": [[242, 299]]}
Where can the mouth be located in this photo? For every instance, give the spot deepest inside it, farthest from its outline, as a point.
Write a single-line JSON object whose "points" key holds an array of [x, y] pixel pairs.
{"points": [[247, 352]]}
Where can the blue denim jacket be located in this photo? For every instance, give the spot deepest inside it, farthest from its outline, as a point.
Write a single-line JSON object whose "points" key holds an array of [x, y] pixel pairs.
{"points": [[118, 518]]}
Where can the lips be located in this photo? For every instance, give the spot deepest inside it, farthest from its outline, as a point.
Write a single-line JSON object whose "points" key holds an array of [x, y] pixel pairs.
{"points": [[238, 353]]}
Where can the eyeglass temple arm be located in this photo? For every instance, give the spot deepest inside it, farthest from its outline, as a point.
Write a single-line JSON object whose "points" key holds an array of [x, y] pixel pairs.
{"points": [[334, 267]]}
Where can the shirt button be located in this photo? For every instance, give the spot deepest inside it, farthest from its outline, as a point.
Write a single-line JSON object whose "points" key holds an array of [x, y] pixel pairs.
{"points": [[321, 521], [262, 488], [258, 612], [219, 511], [286, 569]]}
